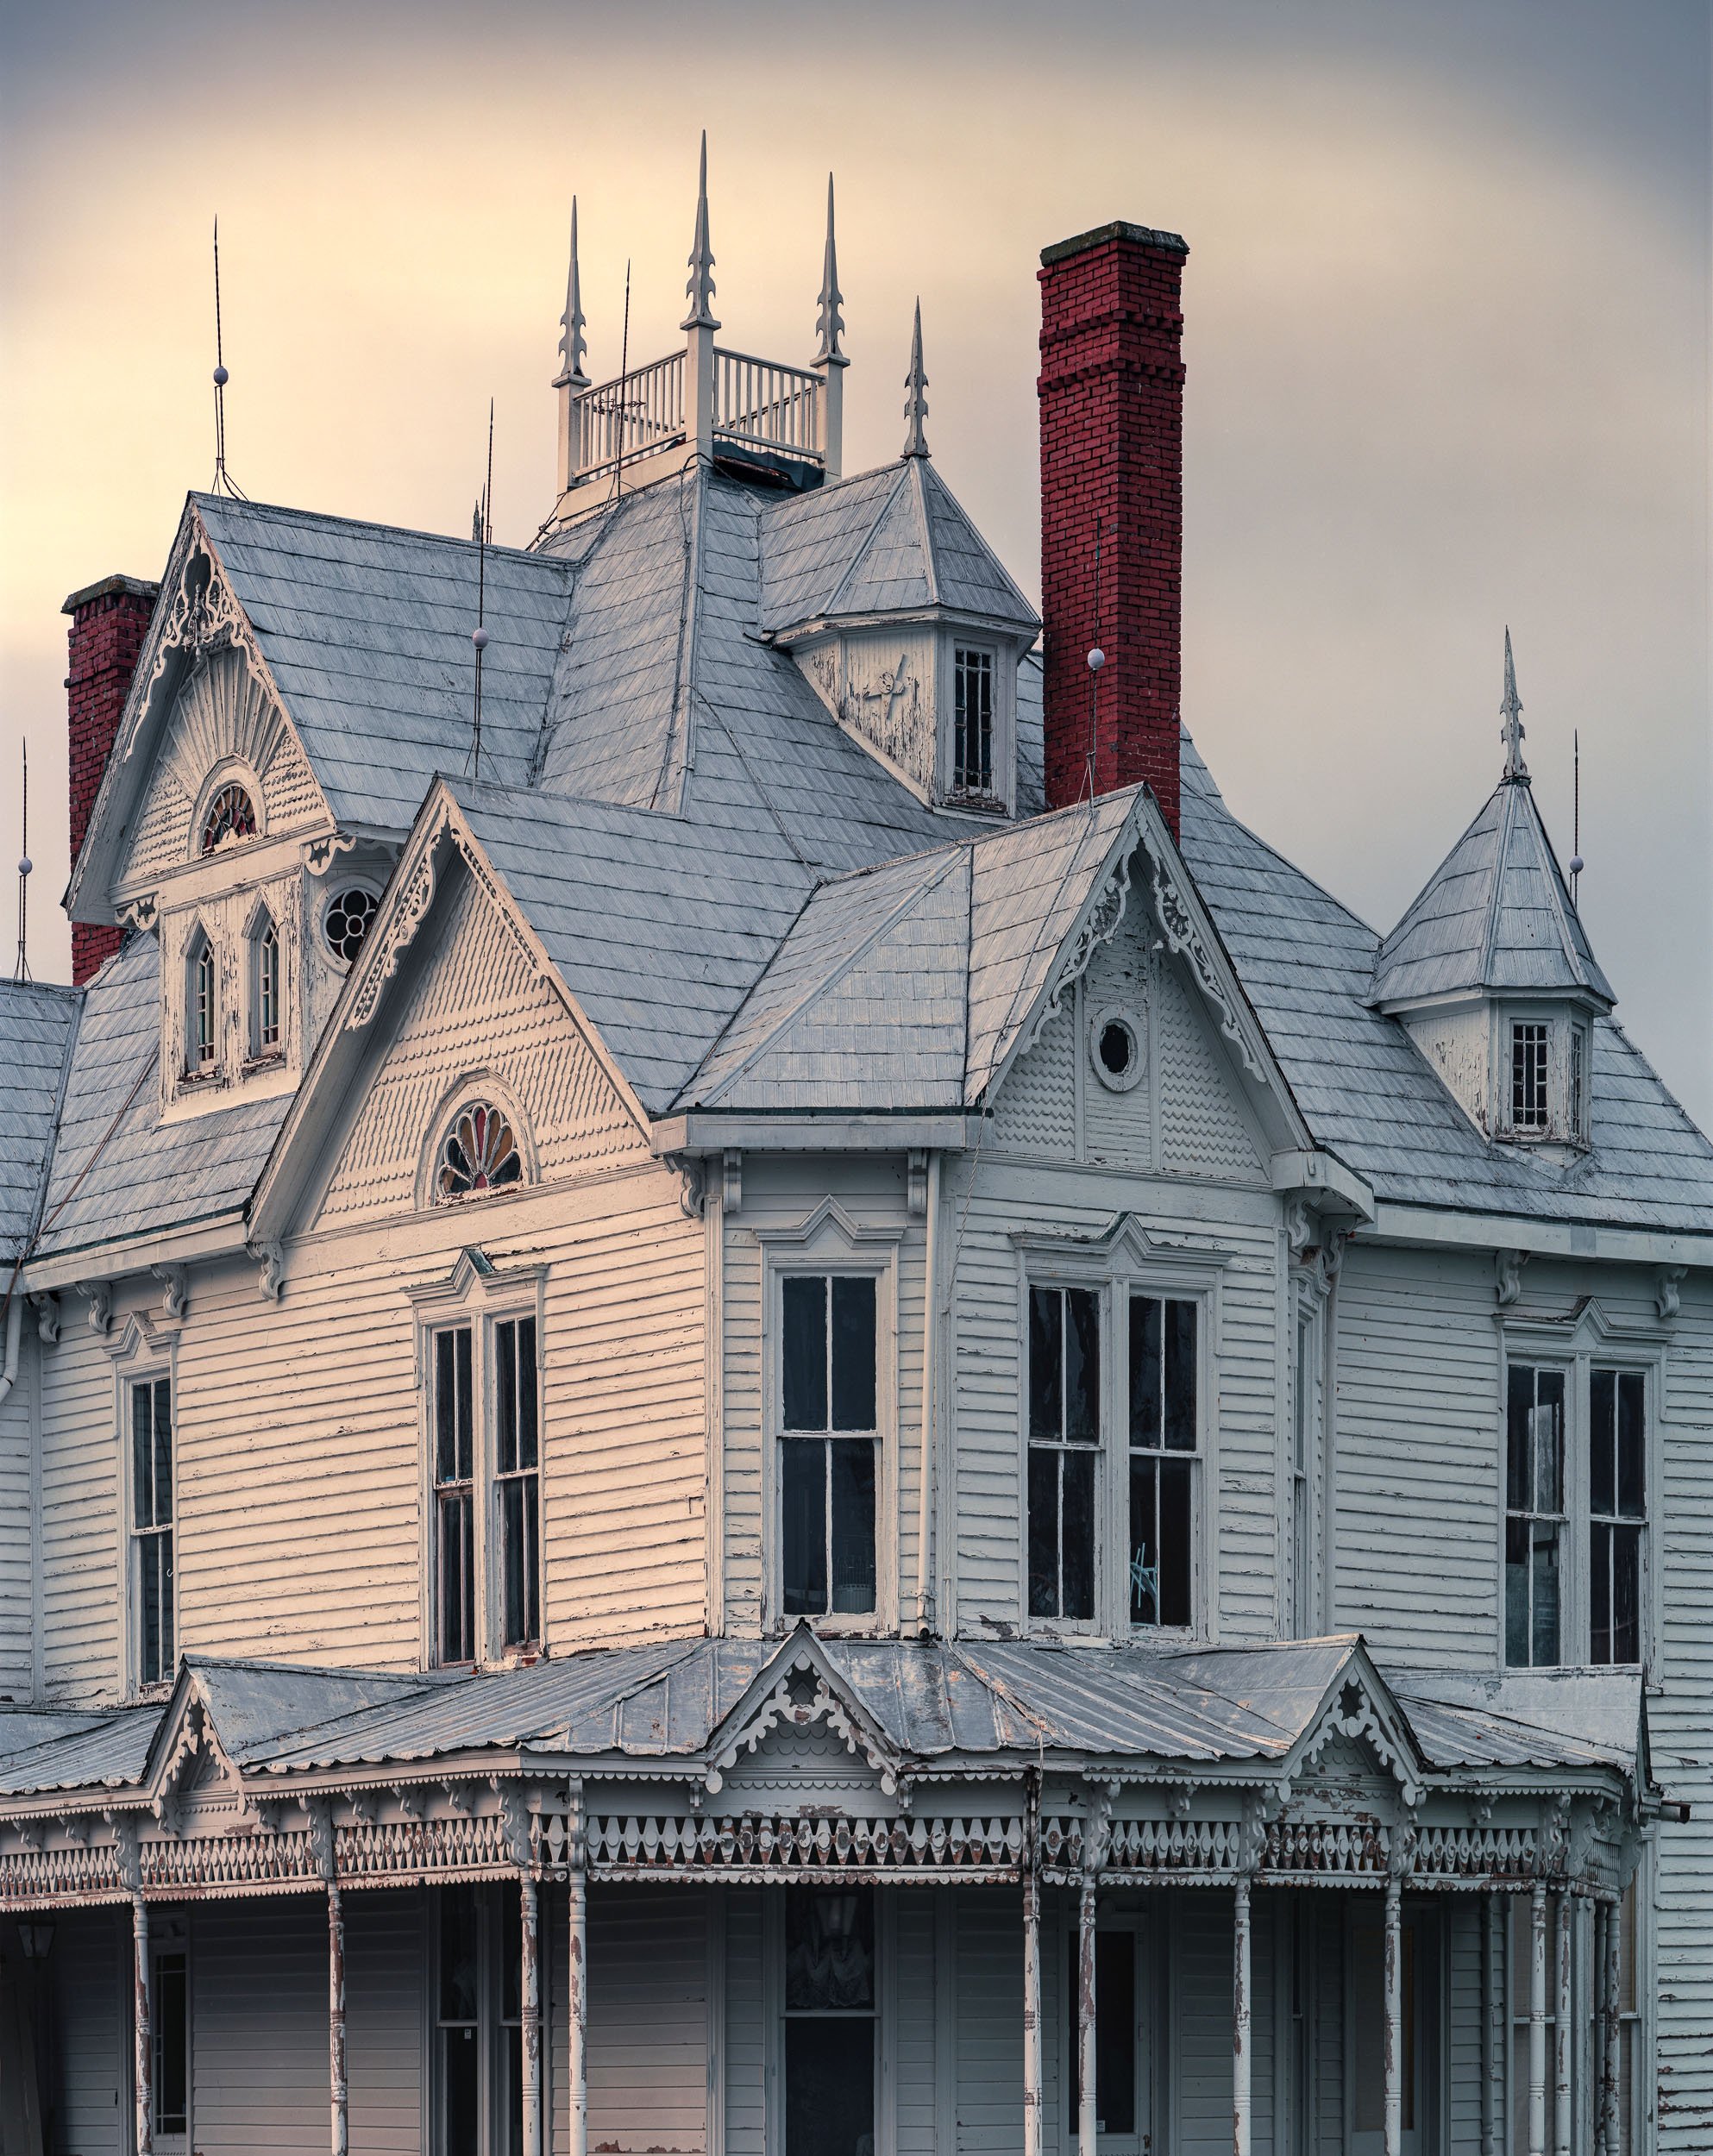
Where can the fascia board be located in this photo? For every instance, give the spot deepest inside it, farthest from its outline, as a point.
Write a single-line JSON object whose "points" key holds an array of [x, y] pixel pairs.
{"points": [[222, 1235], [1015, 629], [812, 1131], [1321, 1173], [1430, 1226]]}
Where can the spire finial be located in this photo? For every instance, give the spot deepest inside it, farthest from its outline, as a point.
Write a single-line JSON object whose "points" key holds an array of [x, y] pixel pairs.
{"points": [[1511, 732], [700, 288], [573, 346], [829, 323], [916, 403]]}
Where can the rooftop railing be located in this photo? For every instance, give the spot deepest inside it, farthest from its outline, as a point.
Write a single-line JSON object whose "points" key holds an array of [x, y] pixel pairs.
{"points": [[758, 404], [641, 411]]}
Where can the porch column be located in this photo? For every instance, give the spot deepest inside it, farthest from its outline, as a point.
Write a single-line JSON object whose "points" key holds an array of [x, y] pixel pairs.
{"points": [[576, 1987], [1537, 2022], [1610, 2027], [338, 2085], [1492, 2024], [1393, 2053], [142, 2068], [530, 2012], [1085, 2018], [1241, 2076], [1031, 1971], [1562, 2051]]}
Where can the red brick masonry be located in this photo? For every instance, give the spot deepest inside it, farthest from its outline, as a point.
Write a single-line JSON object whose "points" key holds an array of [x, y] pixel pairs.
{"points": [[109, 622]]}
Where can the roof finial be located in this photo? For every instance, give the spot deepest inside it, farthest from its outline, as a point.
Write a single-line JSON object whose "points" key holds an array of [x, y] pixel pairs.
{"points": [[700, 288], [1511, 732], [830, 324], [573, 346], [916, 403]]}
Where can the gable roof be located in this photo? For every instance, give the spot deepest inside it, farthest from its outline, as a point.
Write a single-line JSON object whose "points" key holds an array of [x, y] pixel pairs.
{"points": [[37, 1024], [1495, 915]]}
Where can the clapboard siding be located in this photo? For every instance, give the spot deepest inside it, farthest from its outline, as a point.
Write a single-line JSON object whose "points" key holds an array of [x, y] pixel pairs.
{"points": [[79, 1531], [647, 2020], [18, 1412], [910, 2019], [1201, 2020], [90, 2088], [744, 2036], [1463, 1933], [259, 2026], [990, 2021], [385, 1947]]}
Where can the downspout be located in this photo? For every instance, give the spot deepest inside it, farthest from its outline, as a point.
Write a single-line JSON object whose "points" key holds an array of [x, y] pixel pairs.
{"points": [[931, 1340], [15, 1326]]}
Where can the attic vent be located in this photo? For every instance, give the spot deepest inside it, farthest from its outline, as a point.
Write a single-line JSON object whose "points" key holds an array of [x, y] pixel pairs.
{"points": [[1116, 1048]]}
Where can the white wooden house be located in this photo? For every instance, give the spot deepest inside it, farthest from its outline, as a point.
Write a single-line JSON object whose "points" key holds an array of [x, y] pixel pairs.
{"points": [[719, 1439]]}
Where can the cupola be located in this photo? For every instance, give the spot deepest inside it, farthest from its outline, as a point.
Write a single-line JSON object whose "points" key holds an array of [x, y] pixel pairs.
{"points": [[1492, 973]]}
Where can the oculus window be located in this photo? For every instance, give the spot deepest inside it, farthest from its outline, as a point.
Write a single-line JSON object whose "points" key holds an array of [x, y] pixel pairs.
{"points": [[345, 924], [829, 1443]]}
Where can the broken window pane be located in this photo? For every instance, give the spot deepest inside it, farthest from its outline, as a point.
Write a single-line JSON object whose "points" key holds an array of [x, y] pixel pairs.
{"points": [[1162, 1416], [1535, 1428], [1064, 1421]]}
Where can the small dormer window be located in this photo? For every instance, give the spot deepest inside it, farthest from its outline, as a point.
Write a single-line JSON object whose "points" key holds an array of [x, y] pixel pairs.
{"points": [[1578, 1120], [1528, 1076], [231, 817], [972, 747]]}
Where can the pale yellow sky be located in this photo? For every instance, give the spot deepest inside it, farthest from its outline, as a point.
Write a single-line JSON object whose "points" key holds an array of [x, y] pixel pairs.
{"points": [[1446, 305]]}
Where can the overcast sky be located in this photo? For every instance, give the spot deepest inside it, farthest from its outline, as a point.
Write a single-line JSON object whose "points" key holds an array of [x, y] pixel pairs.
{"points": [[1447, 310]]}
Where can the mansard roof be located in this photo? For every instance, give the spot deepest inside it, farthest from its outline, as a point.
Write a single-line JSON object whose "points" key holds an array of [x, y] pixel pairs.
{"points": [[1495, 918], [36, 1024]]}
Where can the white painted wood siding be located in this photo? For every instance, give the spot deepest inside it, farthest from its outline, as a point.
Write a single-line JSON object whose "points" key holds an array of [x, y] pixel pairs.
{"points": [[80, 1592], [746, 2054], [18, 1412], [386, 1977], [91, 2087], [648, 2021], [259, 2026], [990, 2021]]}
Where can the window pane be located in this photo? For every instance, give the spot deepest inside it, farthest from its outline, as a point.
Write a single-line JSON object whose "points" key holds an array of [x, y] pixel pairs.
{"points": [[163, 1450], [1180, 1377], [853, 1523], [1625, 1593], [1632, 1477], [163, 1542], [853, 1354], [829, 2086], [1600, 1593], [1603, 1485], [1046, 1361], [512, 2042], [510, 1953], [506, 1397], [465, 1405], [142, 1455], [1544, 1587], [804, 1358], [1115, 2031], [1079, 1534], [1042, 1532], [458, 1944], [458, 2082], [172, 2044], [1145, 1541], [528, 1396], [1519, 1406], [1549, 1441], [1176, 1554], [829, 1949], [1517, 1594], [1083, 1364], [1145, 1316], [520, 1531], [803, 1527], [457, 1579]]}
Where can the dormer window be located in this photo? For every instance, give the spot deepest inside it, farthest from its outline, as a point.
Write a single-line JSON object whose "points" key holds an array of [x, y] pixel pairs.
{"points": [[1529, 1078], [1544, 1093], [231, 819], [199, 1040], [972, 750]]}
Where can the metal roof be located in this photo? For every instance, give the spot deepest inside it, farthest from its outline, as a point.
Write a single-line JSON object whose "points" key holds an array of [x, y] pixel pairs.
{"points": [[1495, 916], [36, 1026]]}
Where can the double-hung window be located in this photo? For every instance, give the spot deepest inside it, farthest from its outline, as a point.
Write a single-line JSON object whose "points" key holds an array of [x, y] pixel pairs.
{"points": [[517, 1480], [1534, 1515], [169, 2005], [1064, 1440], [454, 1505], [477, 2062], [972, 731], [1164, 1426], [829, 1443], [830, 1995], [1617, 1513], [152, 1574]]}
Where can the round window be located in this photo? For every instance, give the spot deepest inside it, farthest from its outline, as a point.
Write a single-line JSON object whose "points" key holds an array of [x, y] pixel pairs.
{"points": [[1116, 1048], [346, 921]]}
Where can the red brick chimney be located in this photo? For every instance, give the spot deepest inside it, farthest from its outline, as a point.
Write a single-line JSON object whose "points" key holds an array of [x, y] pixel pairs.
{"points": [[1112, 470], [109, 622]]}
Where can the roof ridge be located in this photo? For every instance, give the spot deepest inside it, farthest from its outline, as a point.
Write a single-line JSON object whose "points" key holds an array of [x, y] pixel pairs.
{"points": [[224, 504], [918, 485], [1489, 931]]}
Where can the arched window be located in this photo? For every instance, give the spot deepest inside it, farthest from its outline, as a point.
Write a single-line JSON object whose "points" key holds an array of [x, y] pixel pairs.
{"points": [[265, 987], [231, 817], [199, 1040], [479, 1152]]}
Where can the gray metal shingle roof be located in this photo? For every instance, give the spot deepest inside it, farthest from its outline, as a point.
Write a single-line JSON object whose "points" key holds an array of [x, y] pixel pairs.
{"points": [[1495, 914], [37, 1024]]}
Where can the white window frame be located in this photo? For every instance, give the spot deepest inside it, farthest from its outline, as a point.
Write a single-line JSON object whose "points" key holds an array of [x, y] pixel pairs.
{"points": [[171, 1935], [831, 1241], [490, 1998], [258, 1055], [1003, 652], [477, 1296], [1127, 1260], [1143, 1925], [144, 1350], [1567, 1120], [885, 2017], [1303, 1600], [1592, 1339]]}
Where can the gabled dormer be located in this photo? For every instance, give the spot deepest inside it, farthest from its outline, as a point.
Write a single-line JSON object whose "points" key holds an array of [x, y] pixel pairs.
{"points": [[1493, 973]]}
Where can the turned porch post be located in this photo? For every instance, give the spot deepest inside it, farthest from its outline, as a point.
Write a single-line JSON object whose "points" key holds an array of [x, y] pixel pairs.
{"points": [[1392, 2056], [1492, 2024], [1031, 1969], [1085, 2016], [1537, 2020], [1562, 2048], [577, 1982], [530, 2011], [338, 2085], [1609, 2028], [142, 2068], [1240, 2018]]}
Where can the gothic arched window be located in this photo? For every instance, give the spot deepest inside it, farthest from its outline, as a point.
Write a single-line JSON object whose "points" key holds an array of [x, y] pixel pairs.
{"points": [[199, 1038], [479, 1152], [231, 817], [265, 988]]}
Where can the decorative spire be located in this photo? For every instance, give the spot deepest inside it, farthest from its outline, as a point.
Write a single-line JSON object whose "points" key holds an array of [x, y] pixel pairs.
{"points": [[916, 403], [573, 346], [830, 324], [1511, 732], [700, 288]]}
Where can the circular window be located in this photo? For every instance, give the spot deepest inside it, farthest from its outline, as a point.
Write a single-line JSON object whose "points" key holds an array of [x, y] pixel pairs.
{"points": [[231, 817], [346, 921], [1116, 1048], [478, 1153]]}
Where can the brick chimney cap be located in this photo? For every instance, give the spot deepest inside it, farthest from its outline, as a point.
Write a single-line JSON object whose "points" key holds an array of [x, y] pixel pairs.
{"points": [[107, 587], [1139, 235]]}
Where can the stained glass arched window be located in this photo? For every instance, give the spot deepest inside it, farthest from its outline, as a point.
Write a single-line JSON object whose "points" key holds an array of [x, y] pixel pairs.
{"points": [[231, 817], [480, 1152]]}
